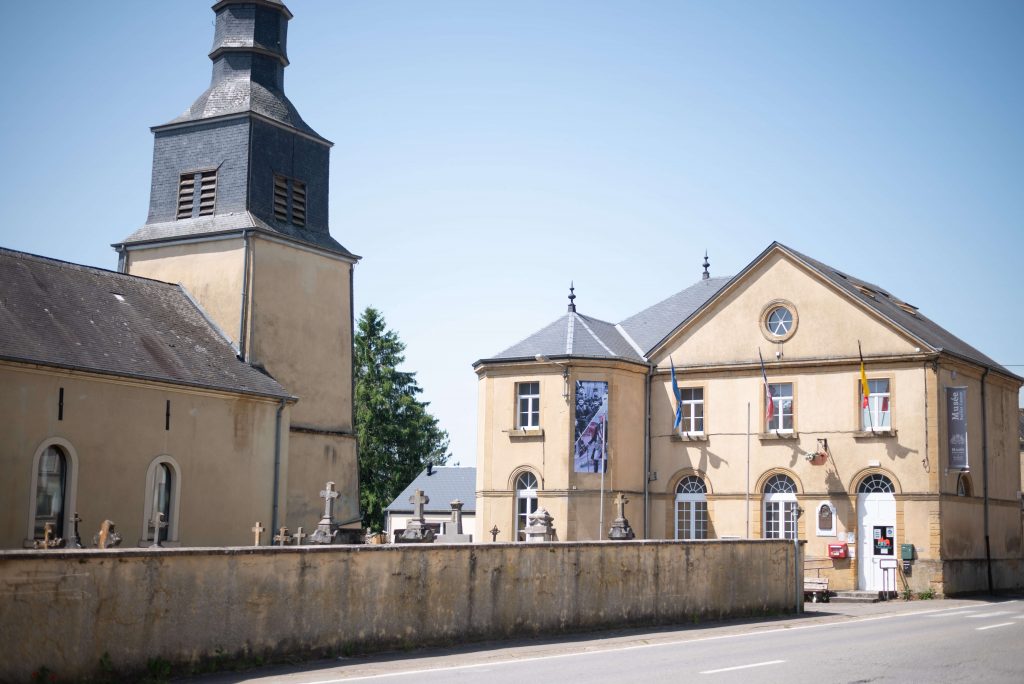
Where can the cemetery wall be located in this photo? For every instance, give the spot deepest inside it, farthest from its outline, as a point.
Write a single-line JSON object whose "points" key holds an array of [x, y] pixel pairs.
{"points": [[66, 610]]}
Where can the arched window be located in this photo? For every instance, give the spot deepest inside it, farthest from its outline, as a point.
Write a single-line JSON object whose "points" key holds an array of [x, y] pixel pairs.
{"points": [[51, 491], [163, 492], [691, 508], [779, 508], [162, 496], [963, 485], [526, 502], [875, 483]]}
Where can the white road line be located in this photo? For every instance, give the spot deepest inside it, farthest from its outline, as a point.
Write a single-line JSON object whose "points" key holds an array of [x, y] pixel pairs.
{"points": [[743, 667], [1002, 624], [955, 612], [988, 615]]}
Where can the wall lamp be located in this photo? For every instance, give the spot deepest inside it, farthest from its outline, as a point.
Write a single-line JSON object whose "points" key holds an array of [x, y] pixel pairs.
{"points": [[565, 373]]}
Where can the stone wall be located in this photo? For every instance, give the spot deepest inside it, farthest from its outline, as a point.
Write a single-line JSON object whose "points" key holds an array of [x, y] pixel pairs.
{"points": [[65, 609]]}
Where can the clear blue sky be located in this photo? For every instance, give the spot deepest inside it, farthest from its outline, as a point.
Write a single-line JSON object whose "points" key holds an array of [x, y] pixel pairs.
{"points": [[488, 153]]}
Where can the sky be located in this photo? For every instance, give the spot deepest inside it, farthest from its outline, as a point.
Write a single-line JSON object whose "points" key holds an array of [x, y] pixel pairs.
{"points": [[487, 154]]}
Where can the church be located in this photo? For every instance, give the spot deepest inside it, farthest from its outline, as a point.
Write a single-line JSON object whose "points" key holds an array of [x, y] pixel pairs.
{"points": [[207, 383], [790, 401]]}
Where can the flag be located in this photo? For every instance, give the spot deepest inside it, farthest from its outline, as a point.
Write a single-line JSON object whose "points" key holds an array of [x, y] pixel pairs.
{"points": [[678, 395], [769, 401], [864, 389]]}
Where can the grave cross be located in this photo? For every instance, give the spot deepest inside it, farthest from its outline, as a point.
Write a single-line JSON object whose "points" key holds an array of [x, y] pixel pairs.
{"points": [[282, 537], [157, 523], [494, 533], [257, 530], [75, 542], [299, 536], [621, 501], [329, 495], [418, 500]]}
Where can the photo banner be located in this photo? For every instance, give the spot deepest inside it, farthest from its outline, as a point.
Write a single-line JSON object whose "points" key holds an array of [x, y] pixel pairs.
{"points": [[956, 426], [590, 452]]}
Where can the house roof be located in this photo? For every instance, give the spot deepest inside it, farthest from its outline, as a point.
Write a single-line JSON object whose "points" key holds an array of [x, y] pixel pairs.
{"points": [[653, 324], [442, 485], [572, 335], [56, 313]]}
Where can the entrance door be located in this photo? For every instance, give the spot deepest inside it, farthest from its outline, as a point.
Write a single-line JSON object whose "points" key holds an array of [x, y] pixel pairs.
{"points": [[876, 532]]}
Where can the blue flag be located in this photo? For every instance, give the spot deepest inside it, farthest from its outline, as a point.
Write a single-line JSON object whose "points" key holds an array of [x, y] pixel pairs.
{"points": [[678, 395]]}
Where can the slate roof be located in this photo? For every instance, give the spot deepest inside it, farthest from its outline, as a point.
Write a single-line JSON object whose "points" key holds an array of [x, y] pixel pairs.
{"points": [[655, 323], [56, 313], [446, 484], [572, 335]]}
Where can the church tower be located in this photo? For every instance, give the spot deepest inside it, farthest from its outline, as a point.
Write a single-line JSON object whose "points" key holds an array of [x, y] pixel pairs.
{"points": [[238, 215]]}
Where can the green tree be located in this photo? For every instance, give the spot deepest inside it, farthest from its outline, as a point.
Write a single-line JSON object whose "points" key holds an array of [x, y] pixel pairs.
{"points": [[397, 436]]}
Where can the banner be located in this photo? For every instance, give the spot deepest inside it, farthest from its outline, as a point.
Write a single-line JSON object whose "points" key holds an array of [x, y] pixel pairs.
{"points": [[590, 452], [956, 426]]}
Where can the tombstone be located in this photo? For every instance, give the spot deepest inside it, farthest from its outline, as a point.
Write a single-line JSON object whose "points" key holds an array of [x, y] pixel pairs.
{"points": [[282, 537], [157, 523], [75, 542], [299, 536], [539, 528], [257, 531], [107, 537], [453, 534], [620, 529], [494, 533], [326, 532], [416, 531], [49, 540]]}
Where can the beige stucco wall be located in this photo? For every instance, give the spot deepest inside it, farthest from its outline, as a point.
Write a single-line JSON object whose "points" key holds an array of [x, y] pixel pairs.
{"points": [[190, 605], [113, 430], [212, 272], [573, 499]]}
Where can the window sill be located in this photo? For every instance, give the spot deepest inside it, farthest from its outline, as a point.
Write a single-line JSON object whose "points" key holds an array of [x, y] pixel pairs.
{"points": [[697, 437], [872, 434], [526, 434], [147, 543], [779, 436]]}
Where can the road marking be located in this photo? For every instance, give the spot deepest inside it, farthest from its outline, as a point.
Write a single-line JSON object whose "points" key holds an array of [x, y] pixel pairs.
{"points": [[660, 644], [988, 615], [956, 612], [743, 667], [1002, 624]]}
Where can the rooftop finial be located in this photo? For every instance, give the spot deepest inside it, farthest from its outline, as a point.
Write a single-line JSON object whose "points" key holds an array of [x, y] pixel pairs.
{"points": [[572, 298], [706, 265]]}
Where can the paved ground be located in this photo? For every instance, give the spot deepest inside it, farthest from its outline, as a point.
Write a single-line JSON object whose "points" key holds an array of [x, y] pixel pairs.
{"points": [[920, 641]]}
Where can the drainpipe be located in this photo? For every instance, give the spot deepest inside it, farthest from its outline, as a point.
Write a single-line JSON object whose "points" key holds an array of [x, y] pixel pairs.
{"points": [[984, 477], [277, 462], [243, 323], [647, 449]]}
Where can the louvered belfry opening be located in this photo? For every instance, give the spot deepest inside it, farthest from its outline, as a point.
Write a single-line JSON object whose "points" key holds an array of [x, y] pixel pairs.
{"points": [[207, 181], [298, 203], [294, 211], [280, 198]]}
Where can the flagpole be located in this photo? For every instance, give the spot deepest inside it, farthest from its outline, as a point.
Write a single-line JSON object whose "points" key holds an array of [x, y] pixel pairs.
{"points": [[604, 466], [748, 471], [865, 390]]}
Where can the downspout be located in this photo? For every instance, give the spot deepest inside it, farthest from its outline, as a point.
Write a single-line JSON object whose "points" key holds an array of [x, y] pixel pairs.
{"points": [[647, 448], [277, 462], [243, 323], [984, 477]]}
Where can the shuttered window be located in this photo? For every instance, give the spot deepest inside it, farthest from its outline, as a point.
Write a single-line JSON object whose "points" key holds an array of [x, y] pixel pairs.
{"points": [[207, 192], [186, 193], [298, 203], [187, 182], [289, 200], [280, 198]]}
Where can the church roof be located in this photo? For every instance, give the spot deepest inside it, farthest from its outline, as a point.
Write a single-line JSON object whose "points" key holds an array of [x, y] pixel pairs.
{"points": [[572, 335], [442, 485], [56, 313]]}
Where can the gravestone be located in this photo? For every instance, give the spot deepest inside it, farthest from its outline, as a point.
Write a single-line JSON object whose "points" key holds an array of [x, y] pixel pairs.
{"points": [[620, 529], [416, 531], [539, 528], [257, 531], [49, 540], [282, 537], [157, 523], [326, 531], [494, 533], [107, 537], [299, 536], [75, 542], [453, 534]]}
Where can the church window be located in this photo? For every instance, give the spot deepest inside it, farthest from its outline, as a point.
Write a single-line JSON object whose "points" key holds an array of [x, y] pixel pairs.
{"points": [[207, 185], [51, 488], [528, 401], [289, 200]]}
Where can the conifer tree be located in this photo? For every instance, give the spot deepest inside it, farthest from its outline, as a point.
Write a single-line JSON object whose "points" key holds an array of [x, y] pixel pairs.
{"points": [[397, 436]]}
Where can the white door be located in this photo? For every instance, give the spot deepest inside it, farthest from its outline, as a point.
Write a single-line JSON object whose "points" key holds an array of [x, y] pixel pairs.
{"points": [[876, 540]]}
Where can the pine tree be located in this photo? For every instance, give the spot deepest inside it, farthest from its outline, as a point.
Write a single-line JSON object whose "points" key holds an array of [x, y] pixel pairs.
{"points": [[397, 436]]}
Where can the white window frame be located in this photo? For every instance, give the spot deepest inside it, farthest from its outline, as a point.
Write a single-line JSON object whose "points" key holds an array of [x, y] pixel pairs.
{"points": [[70, 487], [880, 420], [528, 496], [173, 532], [689, 412], [692, 508], [782, 507], [533, 405], [778, 401]]}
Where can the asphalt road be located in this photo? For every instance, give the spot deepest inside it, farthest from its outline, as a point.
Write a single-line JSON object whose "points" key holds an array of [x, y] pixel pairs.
{"points": [[962, 641]]}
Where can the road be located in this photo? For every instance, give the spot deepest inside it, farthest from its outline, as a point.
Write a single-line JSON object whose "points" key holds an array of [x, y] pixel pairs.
{"points": [[923, 641]]}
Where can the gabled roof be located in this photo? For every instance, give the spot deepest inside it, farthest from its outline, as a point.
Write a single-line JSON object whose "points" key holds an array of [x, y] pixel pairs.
{"points": [[653, 324], [442, 486], [572, 335], [56, 313]]}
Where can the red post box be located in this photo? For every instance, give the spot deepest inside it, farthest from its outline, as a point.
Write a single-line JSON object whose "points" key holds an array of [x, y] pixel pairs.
{"points": [[838, 551]]}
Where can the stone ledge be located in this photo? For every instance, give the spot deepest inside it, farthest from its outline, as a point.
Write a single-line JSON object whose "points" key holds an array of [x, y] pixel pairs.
{"points": [[869, 434], [779, 436], [697, 438], [521, 434]]}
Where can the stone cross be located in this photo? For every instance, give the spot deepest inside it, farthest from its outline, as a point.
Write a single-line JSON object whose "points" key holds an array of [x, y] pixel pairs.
{"points": [[282, 537], [157, 523], [416, 530], [329, 495], [620, 529], [418, 500], [621, 501], [456, 517], [299, 536], [494, 533], [257, 530], [75, 542]]}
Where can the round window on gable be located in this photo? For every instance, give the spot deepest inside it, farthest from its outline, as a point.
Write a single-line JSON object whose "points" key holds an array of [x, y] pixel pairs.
{"points": [[779, 320]]}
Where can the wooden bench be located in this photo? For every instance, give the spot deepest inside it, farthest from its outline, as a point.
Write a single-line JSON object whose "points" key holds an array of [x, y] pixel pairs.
{"points": [[816, 589]]}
